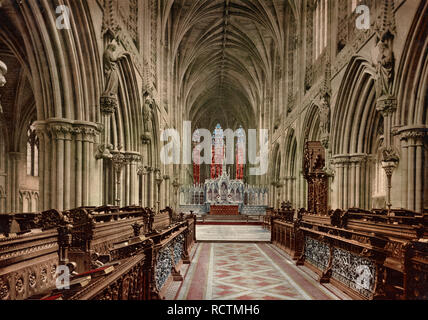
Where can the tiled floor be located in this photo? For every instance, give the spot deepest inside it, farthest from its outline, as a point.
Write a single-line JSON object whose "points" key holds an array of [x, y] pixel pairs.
{"points": [[239, 233], [246, 271]]}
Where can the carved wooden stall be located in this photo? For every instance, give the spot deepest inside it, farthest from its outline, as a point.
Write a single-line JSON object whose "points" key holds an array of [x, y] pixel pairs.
{"points": [[112, 253], [147, 263], [270, 213], [284, 232], [368, 255], [29, 255], [96, 230], [149, 260]]}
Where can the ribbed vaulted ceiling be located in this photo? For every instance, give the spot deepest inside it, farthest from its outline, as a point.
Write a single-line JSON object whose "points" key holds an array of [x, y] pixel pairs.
{"points": [[226, 52]]}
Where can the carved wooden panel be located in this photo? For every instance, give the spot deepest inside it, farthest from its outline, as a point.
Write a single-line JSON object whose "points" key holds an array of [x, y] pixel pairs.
{"points": [[313, 167]]}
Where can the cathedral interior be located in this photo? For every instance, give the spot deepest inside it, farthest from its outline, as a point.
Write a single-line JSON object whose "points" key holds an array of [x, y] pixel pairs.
{"points": [[213, 150]]}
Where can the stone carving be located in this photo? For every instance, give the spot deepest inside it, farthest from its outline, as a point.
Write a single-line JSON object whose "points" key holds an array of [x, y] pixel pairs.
{"points": [[384, 59], [385, 68], [324, 106], [119, 161], [148, 120], [3, 71], [389, 155], [111, 57]]}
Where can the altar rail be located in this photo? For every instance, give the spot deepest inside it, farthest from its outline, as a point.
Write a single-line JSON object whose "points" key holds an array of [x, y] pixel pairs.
{"points": [[111, 252], [368, 255]]}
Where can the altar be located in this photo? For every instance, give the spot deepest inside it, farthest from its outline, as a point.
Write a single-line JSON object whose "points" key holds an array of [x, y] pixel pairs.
{"points": [[224, 210], [224, 196]]}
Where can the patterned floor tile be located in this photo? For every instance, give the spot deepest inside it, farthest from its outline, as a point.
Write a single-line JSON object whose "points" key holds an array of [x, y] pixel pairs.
{"points": [[246, 271]]}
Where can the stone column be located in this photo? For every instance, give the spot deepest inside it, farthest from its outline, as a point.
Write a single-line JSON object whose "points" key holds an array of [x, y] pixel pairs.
{"points": [[419, 189], [60, 132], [357, 202], [89, 132], [352, 168], [415, 137], [108, 106], [176, 196], [340, 190], [140, 173], [149, 186], [78, 166], [346, 185], [127, 181], [343, 178], [44, 149], [118, 162], [133, 159], [287, 182], [355, 180], [387, 104], [67, 168], [158, 181], [14, 159], [368, 173], [404, 170], [167, 200], [284, 189]]}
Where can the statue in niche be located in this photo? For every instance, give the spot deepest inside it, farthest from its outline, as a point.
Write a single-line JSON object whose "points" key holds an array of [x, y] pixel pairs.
{"points": [[385, 68], [148, 119], [324, 109], [3, 71], [110, 59]]}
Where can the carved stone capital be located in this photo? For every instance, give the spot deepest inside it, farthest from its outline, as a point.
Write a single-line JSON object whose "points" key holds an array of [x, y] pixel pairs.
{"points": [[103, 152], [148, 169], [146, 138], [389, 167], [416, 133], [386, 105], [108, 104], [133, 157], [61, 131], [340, 160], [141, 171], [176, 183], [85, 131], [358, 159], [389, 154], [119, 161]]}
